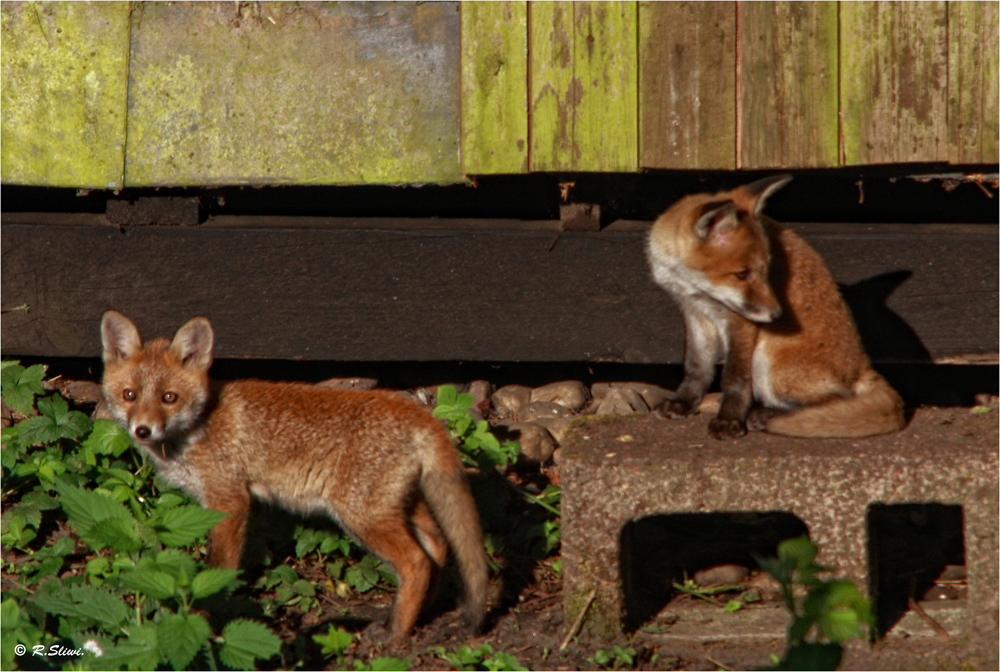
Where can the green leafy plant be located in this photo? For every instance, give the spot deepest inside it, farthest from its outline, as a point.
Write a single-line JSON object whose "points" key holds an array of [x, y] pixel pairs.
{"points": [[614, 659], [479, 447], [706, 593], [482, 657], [137, 601], [335, 642], [20, 385], [831, 612]]}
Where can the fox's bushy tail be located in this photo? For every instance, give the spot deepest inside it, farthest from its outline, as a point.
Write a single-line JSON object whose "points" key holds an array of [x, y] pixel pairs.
{"points": [[443, 484], [875, 408]]}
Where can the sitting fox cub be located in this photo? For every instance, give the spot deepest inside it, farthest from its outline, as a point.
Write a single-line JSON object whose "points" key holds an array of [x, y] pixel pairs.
{"points": [[758, 296], [379, 464]]}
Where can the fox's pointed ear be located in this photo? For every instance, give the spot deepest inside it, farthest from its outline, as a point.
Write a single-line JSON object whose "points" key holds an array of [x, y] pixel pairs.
{"points": [[758, 192], [717, 221], [193, 343], [119, 337]]}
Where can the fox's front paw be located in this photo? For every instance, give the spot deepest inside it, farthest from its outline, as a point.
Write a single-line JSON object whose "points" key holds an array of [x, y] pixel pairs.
{"points": [[723, 428], [678, 408]]}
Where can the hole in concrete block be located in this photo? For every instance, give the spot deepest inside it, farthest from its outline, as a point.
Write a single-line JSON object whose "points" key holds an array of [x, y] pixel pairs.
{"points": [[916, 551], [657, 551]]}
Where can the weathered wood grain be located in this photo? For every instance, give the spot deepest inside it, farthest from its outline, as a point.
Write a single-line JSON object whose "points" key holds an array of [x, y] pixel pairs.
{"points": [[282, 93], [583, 86], [494, 87], [894, 81], [606, 123], [972, 82], [64, 93], [378, 292], [687, 85], [787, 85], [552, 98]]}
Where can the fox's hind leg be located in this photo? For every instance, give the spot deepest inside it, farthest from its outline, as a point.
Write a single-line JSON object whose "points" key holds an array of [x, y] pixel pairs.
{"points": [[429, 533], [391, 539], [432, 539]]}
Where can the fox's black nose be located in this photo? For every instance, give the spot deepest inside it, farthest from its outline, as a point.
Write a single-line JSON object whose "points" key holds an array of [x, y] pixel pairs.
{"points": [[776, 313], [143, 432]]}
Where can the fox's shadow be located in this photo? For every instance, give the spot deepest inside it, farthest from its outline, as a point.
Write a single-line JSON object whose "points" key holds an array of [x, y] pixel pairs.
{"points": [[885, 335]]}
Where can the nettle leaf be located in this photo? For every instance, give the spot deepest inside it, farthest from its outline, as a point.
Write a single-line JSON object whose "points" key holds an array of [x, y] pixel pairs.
{"points": [[389, 664], [84, 601], [305, 541], [54, 421], [182, 525], [120, 534], [19, 385], [107, 438], [140, 651], [210, 581], [85, 508], [100, 604], [363, 576], [335, 641], [181, 638], [173, 561], [30, 508], [244, 641], [446, 395], [152, 582], [170, 499], [304, 587]]}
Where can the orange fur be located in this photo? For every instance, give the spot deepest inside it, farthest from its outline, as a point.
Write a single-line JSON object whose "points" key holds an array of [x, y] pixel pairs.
{"points": [[379, 464], [756, 295]]}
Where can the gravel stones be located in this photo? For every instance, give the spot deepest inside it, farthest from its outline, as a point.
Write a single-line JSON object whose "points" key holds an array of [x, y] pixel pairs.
{"points": [[572, 394], [537, 444], [509, 398], [622, 401]]}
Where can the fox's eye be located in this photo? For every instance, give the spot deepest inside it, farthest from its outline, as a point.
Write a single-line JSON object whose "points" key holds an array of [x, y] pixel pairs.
{"points": [[129, 394], [742, 275], [169, 397]]}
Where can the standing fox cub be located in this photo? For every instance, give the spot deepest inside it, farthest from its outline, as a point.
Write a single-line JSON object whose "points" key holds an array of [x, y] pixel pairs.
{"points": [[756, 295], [379, 464]]}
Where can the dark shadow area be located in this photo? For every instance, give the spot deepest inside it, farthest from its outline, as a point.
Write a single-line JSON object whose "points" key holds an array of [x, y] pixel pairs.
{"points": [[885, 335], [659, 550], [909, 546], [865, 194]]}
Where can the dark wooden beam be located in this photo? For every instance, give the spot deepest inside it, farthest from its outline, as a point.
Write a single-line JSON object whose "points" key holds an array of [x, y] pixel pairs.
{"points": [[447, 290]]}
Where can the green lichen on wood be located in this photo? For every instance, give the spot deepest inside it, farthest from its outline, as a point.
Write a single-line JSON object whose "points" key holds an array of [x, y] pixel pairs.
{"points": [[894, 81], [276, 93], [606, 128], [494, 87], [787, 85], [584, 86], [972, 82], [64, 87]]}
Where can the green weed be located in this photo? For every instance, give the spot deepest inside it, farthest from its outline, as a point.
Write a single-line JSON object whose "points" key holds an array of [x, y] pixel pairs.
{"points": [[831, 612]]}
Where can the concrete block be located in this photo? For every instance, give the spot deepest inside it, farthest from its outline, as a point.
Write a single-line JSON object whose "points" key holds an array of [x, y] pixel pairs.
{"points": [[616, 471]]}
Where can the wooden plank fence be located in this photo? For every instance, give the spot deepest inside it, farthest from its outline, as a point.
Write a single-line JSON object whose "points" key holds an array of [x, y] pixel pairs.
{"points": [[354, 93]]}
